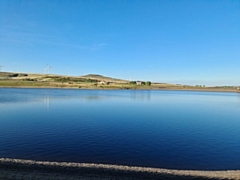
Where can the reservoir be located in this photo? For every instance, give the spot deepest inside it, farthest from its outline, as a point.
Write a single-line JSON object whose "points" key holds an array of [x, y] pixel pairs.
{"points": [[165, 129]]}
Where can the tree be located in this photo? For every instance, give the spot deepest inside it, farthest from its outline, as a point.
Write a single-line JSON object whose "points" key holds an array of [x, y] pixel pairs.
{"points": [[148, 83]]}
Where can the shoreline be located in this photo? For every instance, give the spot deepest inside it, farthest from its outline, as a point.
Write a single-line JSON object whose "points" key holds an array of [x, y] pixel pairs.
{"points": [[139, 89], [13, 168]]}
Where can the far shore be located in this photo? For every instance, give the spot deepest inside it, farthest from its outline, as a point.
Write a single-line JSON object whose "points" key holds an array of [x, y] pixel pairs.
{"points": [[156, 89], [30, 169], [93, 81]]}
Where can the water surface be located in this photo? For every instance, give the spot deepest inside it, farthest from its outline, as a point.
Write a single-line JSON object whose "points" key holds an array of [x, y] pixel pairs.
{"points": [[166, 129]]}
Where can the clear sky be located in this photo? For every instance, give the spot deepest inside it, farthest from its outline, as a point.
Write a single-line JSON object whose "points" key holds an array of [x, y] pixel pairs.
{"points": [[174, 41]]}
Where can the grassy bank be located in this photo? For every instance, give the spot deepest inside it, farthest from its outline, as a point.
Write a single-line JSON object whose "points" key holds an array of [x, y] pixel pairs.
{"points": [[94, 82]]}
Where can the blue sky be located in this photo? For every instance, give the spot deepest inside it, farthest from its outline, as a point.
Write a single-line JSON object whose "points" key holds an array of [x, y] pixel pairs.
{"points": [[184, 42]]}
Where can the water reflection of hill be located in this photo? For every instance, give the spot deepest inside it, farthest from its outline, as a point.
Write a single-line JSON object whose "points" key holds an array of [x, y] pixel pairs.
{"points": [[47, 95]]}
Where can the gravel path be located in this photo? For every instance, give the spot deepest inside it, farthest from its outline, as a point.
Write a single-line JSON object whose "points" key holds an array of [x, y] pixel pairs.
{"points": [[16, 169]]}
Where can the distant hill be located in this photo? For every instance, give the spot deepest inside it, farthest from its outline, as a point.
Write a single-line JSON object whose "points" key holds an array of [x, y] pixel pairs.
{"points": [[59, 78], [4, 75], [103, 78]]}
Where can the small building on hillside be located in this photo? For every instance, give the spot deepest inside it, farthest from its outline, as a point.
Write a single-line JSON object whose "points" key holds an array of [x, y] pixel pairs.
{"points": [[103, 83], [139, 82]]}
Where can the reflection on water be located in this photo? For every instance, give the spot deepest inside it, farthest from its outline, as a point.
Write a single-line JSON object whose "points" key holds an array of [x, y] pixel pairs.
{"points": [[167, 129], [27, 96], [47, 102], [139, 95]]}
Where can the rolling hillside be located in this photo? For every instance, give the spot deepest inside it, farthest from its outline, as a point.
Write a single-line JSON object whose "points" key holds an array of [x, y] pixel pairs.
{"points": [[93, 81]]}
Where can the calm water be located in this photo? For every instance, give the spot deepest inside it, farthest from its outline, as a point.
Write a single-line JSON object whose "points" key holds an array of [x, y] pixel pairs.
{"points": [[166, 129]]}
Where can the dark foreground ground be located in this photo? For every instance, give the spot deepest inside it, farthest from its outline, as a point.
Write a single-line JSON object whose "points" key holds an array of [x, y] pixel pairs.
{"points": [[12, 169]]}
